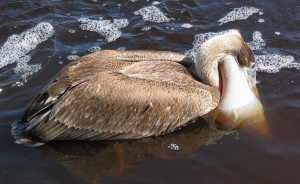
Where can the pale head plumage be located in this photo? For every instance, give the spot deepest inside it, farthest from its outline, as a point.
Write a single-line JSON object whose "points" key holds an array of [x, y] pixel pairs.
{"points": [[213, 50]]}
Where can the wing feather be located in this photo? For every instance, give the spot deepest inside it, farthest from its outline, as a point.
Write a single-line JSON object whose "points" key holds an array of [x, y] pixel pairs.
{"points": [[129, 107], [117, 95]]}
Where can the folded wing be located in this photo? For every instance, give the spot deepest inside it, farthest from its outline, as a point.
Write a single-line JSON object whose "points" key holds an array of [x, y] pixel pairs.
{"points": [[123, 95]]}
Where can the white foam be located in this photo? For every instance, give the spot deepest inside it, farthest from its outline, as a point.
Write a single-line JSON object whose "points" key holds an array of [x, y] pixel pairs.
{"points": [[261, 20], [25, 70], [94, 49], [106, 28], [272, 63], [18, 83], [146, 28], [174, 147], [187, 25], [258, 42], [17, 46], [72, 31], [74, 52], [72, 57], [152, 14], [277, 33], [239, 14]]}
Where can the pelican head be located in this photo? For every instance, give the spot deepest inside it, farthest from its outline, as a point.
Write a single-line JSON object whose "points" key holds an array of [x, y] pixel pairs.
{"points": [[225, 62]]}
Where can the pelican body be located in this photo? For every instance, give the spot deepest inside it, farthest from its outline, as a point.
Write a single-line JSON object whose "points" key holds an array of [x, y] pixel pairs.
{"points": [[111, 95]]}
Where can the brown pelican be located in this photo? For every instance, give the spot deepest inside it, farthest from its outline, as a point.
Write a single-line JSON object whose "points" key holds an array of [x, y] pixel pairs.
{"points": [[112, 95]]}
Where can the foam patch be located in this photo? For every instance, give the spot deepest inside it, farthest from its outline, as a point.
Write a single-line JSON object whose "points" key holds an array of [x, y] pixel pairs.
{"points": [[186, 25], [94, 49], [258, 42], [106, 28], [152, 14], [17, 46], [156, 3], [239, 14], [73, 57], [146, 28], [72, 31], [25, 70], [277, 33], [272, 63]]}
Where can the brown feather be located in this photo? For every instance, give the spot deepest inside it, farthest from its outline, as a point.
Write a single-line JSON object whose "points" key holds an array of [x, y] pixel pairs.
{"points": [[123, 94]]}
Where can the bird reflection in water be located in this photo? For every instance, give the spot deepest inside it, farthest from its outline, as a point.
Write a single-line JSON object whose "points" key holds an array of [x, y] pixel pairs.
{"points": [[93, 160]]}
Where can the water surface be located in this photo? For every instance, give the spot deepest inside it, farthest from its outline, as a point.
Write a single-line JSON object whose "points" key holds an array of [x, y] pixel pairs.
{"points": [[38, 38]]}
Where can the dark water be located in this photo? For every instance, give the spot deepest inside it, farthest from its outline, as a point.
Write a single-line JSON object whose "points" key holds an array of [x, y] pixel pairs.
{"points": [[205, 155]]}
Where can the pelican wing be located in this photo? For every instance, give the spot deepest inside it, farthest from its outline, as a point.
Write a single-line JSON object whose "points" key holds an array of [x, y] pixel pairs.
{"points": [[87, 66], [145, 98]]}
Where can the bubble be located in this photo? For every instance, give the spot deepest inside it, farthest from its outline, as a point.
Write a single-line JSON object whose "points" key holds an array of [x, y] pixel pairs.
{"points": [[106, 28], [277, 33], [187, 25], [238, 14], [152, 14], [1, 90], [72, 57], [17, 46], [272, 63], [60, 62], [18, 83], [156, 3], [146, 28], [73, 52], [71, 31], [94, 49], [173, 147], [258, 42], [261, 20]]}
